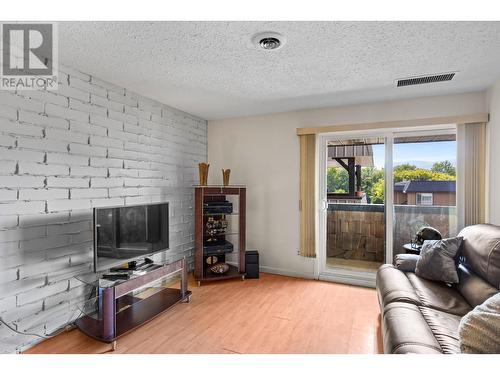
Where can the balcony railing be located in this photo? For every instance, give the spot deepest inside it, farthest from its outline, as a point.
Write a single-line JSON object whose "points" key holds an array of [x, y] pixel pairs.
{"points": [[357, 231]]}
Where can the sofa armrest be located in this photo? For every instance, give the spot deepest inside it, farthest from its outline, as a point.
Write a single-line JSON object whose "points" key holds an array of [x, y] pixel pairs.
{"points": [[406, 262]]}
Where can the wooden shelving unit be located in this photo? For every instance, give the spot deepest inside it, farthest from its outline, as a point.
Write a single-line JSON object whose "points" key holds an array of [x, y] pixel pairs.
{"points": [[234, 234]]}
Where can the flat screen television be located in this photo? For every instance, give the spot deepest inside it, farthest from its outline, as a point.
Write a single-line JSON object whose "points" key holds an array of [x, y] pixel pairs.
{"points": [[125, 233]]}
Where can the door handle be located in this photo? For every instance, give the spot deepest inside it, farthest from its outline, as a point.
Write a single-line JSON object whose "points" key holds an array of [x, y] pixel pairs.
{"points": [[324, 205]]}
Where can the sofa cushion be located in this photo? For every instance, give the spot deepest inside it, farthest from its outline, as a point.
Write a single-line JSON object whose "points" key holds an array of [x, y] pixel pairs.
{"points": [[474, 289], [405, 330], [437, 260], [394, 286], [438, 295], [481, 251], [444, 327]]}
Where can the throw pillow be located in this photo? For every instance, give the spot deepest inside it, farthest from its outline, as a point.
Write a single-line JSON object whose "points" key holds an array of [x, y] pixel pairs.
{"points": [[437, 260], [479, 329], [406, 262]]}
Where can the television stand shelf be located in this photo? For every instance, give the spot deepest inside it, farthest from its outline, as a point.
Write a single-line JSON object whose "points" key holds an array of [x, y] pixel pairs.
{"points": [[114, 308]]}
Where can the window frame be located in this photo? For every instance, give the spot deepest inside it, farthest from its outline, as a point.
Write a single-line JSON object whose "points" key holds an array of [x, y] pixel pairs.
{"points": [[421, 195]]}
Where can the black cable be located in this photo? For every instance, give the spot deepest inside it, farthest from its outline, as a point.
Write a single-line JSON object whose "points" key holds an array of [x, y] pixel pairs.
{"points": [[55, 333]]}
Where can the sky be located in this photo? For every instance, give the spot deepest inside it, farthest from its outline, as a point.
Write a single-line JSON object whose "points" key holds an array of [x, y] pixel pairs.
{"points": [[423, 155]]}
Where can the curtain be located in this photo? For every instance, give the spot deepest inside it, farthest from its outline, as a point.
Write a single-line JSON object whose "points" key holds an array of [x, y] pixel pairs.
{"points": [[471, 165], [307, 195]]}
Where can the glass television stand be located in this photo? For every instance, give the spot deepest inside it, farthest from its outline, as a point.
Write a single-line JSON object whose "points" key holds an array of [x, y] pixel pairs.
{"points": [[114, 308]]}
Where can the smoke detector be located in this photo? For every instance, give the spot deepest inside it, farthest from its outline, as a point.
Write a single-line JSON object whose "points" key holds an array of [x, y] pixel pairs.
{"points": [[268, 40], [270, 43]]}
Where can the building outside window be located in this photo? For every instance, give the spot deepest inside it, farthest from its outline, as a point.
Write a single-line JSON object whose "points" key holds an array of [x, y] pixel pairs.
{"points": [[424, 199]]}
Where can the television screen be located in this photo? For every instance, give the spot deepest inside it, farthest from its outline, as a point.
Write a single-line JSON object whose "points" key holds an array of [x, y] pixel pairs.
{"points": [[124, 233]]}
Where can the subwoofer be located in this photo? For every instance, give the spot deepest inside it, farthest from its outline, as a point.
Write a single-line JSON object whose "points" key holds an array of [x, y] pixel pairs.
{"points": [[252, 264]]}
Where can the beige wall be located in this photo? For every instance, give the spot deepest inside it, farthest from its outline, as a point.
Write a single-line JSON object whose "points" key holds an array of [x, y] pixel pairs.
{"points": [[263, 153], [493, 134]]}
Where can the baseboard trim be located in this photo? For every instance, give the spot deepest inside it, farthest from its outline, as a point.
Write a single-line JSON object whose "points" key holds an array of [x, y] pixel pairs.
{"points": [[364, 279], [279, 271]]}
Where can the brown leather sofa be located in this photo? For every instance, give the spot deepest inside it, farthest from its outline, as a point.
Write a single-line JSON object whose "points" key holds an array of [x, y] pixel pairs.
{"points": [[422, 316]]}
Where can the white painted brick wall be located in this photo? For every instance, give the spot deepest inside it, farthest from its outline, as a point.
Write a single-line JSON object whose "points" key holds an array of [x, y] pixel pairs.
{"points": [[13, 127], [66, 159], [41, 169], [89, 144], [8, 112], [89, 171], [67, 182], [88, 128], [8, 195], [42, 119], [86, 107], [106, 162], [22, 207], [44, 144], [43, 194], [67, 135], [106, 122], [65, 113], [82, 149]]}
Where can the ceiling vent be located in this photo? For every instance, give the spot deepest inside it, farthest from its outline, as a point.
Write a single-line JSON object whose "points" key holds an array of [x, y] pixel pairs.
{"points": [[425, 79]]}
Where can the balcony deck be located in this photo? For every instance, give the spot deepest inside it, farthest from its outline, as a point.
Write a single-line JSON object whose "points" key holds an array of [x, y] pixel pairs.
{"points": [[356, 232]]}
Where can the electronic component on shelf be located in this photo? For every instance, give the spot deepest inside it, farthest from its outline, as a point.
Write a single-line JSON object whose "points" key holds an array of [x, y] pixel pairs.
{"points": [[116, 276], [218, 207], [225, 247], [215, 229], [216, 226]]}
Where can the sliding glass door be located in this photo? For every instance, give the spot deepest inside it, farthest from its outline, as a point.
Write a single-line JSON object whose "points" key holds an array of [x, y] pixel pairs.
{"points": [[376, 191], [355, 203], [424, 174]]}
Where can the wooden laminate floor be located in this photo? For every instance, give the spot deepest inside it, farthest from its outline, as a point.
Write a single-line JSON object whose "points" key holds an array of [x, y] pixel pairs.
{"points": [[274, 314]]}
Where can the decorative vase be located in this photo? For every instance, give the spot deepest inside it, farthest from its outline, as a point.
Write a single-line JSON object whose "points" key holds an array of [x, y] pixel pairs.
{"points": [[225, 176], [203, 169]]}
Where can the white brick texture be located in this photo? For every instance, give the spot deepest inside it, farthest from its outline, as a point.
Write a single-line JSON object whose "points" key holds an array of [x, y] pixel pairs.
{"points": [[89, 144]]}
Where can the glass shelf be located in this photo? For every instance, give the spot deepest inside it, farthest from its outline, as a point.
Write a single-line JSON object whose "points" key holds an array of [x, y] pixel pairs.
{"points": [[221, 213], [219, 186], [95, 280], [88, 304], [205, 235], [232, 272]]}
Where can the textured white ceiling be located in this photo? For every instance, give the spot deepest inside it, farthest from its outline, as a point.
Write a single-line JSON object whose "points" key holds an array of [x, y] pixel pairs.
{"points": [[211, 69]]}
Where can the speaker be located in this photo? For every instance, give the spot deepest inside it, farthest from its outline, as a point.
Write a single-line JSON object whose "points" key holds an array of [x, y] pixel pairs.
{"points": [[252, 264]]}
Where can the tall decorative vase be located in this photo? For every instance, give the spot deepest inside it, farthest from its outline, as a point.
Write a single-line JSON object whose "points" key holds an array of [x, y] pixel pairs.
{"points": [[203, 169], [225, 176]]}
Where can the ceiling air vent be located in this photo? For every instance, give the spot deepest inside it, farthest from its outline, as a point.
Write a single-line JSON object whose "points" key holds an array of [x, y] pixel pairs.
{"points": [[425, 79]]}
